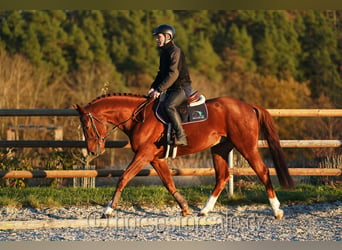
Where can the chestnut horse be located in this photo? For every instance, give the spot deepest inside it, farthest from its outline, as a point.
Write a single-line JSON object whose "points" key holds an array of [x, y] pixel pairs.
{"points": [[231, 124]]}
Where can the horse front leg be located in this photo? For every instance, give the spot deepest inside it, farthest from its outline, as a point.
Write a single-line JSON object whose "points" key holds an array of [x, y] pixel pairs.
{"points": [[132, 170], [164, 173]]}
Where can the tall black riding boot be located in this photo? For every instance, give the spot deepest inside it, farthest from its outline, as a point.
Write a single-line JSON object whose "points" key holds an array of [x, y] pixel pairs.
{"points": [[177, 126]]}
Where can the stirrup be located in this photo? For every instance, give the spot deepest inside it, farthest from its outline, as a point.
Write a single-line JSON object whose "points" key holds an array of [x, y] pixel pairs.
{"points": [[170, 146]]}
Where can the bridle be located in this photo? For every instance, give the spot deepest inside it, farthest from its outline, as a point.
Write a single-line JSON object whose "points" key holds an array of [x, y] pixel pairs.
{"points": [[101, 139], [92, 119]]}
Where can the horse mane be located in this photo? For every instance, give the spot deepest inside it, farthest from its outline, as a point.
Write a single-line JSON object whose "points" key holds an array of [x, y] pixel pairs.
{"points": [[114, 94]]}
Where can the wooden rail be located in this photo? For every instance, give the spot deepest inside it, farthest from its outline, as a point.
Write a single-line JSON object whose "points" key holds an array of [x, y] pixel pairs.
{"points": [[305, 143], [273, 112], [306, 112], [152, 172], [58, 144], [125, 144]]}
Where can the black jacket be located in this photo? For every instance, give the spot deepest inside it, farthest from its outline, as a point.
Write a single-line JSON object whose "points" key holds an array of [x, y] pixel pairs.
{"points": [[173, 71]]}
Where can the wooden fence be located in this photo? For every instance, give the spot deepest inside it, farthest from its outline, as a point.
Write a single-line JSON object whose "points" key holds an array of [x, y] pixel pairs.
{"points": [[151, 172]]}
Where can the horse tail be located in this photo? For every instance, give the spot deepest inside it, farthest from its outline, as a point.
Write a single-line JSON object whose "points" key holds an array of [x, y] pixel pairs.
{"points": [[267, 127]]}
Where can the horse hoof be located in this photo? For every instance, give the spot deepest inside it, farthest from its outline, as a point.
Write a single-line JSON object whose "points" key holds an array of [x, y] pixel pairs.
{"points": [[203, 214], [279, 214], [186, 213], [104, 216], [108, 211]]}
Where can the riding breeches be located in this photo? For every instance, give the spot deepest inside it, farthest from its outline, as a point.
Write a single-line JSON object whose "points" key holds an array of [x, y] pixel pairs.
{"points": [[174, 98]]}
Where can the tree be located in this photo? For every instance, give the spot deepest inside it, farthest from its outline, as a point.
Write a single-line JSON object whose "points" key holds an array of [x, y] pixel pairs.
{"points": [[319, 43], [12, 30], [204, 58], [274, 41], [31, 48], [259, 26], [21, 84], [287, 46], [46, 28], [191, 26], [77, 50], [92, 24], [238, 40], [265, 54], [132, 48]]}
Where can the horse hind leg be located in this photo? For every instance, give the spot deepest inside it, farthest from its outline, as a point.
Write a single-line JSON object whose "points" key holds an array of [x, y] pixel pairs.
{"points": [[220, 159], [255, 161]]}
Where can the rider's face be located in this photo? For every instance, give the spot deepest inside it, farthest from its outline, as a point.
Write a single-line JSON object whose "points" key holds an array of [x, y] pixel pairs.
{"points": [[161, 40]]}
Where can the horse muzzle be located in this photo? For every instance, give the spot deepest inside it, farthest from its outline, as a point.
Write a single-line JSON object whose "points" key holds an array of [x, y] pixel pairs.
{"points": [[97, 151], [93, 155]]}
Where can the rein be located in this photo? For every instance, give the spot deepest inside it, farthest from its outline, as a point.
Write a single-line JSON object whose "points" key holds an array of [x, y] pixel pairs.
{"points": [[136, 112]]}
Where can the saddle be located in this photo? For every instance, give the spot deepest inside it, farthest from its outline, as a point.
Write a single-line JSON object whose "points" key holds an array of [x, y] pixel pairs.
{"points": [[194, 109]]}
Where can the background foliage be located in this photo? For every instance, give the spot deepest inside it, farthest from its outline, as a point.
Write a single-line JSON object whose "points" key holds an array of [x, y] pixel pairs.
{"points": [[299, 46]]}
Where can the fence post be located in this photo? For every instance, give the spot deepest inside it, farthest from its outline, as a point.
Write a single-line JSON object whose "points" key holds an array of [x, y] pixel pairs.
{"points": [[59, 133], [10, 134], [58, 136], [231, 176], [85, 182]]}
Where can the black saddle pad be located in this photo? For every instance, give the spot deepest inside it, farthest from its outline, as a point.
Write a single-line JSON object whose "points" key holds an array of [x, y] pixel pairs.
{"points": [[188, 114]]}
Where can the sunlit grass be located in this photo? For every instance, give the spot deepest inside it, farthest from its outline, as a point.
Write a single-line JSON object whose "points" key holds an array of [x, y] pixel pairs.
{"points": [[40, 197]]}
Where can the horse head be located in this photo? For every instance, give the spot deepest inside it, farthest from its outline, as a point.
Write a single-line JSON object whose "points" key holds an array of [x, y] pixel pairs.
{"points": [[106, 113], [95, 131]]}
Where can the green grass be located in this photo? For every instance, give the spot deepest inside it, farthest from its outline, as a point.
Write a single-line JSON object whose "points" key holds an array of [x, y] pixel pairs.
{"points": [[40, 197]]}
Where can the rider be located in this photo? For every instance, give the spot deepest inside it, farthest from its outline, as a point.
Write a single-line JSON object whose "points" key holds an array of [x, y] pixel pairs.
{"points": [[173, 77]]}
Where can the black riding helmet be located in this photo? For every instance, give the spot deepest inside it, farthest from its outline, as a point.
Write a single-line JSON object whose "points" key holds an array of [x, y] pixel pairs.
{"points": [[165, 29]]}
